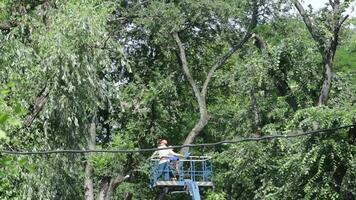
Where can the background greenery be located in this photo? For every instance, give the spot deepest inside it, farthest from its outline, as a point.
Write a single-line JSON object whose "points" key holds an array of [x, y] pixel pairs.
{"points": [[116, 61]]}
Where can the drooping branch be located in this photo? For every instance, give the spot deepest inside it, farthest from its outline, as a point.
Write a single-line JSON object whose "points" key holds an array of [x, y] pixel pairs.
{"points": [[281, 84]]}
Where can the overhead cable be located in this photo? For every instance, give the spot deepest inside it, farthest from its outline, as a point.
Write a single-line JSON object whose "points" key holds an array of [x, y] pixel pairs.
{"points": [[269, 137]]}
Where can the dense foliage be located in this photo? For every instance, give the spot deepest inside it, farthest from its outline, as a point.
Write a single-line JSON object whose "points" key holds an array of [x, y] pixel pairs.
{"points": [[109, 74]]}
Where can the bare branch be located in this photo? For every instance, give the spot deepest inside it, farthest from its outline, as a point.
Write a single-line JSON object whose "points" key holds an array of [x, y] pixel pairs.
{"points": [[118, 180], [228, 54], [187, 73], [342, 21], [222, 61], [331, 4], [308, 21]]}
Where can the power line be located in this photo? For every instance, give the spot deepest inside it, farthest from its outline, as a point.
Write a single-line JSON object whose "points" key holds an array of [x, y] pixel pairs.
{"points": [[270, 137]]}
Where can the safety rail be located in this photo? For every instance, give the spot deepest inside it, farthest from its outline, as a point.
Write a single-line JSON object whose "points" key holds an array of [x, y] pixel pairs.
{"points": [[174, 173]]}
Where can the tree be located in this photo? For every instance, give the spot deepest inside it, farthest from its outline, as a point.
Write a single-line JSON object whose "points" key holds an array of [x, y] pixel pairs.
{"points": [[108, 74], [326, 35], [201, 95]]}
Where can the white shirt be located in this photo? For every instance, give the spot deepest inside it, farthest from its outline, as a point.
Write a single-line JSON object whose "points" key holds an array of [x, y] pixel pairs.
{"points": [[164, 154]]}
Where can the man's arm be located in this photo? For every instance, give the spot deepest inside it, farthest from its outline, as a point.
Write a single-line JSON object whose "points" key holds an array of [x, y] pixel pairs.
{"points": [[154, 154], [175, 154]]}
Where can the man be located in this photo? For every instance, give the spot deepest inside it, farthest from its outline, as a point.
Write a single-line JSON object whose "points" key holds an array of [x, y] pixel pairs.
{"points": [[165, 156]]}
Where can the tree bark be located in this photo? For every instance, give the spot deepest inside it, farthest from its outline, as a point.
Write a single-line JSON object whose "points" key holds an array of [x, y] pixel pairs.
{"points": [[128, 196], [256, 114], [103, 188], [109, 185], [88, 182], [325, 89], [201, 100], [201, 95]]}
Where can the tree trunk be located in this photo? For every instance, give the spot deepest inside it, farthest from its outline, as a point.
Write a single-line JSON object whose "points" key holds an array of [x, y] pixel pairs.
{"points": [[88, 183], [109, 185], [325, 90], [255, 113], [203, 121], [103, 188], [327, 47]]}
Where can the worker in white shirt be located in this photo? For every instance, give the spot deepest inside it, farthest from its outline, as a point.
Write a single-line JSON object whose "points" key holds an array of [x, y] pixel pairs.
{"points": [[165, 155]]}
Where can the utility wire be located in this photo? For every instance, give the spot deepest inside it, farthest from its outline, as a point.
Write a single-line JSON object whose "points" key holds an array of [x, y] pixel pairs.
{"points": [[270, 137]]}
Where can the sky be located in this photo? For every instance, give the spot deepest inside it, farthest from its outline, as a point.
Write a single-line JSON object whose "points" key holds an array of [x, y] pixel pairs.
{"points": [[317, 4]]}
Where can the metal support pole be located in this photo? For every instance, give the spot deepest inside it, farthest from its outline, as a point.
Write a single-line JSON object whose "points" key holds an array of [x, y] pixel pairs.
{"points": [[193, 189]]}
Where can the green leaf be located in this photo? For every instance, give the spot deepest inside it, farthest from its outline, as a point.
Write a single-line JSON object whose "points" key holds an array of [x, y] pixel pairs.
{"points": [[23, 162], [2, 134], [3, 118], [14, 122]]}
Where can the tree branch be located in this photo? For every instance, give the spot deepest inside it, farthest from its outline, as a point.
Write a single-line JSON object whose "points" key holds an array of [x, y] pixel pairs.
{"points": [[203, 120], [187, 73], [327, 47], [342, 21], [308, 21], [228, 54], [222, 61], [118, 180], [201, 95], [331, 4]]}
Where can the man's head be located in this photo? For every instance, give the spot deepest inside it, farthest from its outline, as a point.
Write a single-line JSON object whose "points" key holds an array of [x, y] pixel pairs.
{"points": [[162, 142]]}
